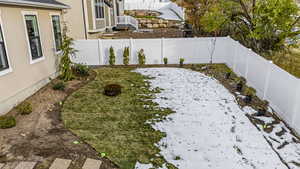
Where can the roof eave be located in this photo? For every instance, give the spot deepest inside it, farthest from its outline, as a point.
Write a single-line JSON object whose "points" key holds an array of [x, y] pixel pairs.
{"points": [[34, 4]]}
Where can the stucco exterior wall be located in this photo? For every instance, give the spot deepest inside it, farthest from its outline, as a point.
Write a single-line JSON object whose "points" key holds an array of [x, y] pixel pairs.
{"points": [[25, 78], [74, 18]]}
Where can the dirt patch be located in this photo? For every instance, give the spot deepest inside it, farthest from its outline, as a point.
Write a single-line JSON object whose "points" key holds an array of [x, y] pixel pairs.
{"points": [[41, 136]]}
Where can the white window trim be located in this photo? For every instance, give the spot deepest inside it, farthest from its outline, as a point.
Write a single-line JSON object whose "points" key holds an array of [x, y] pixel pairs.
{"points": [[9, 70], [52, 30], [94, 15], [31, 61]]}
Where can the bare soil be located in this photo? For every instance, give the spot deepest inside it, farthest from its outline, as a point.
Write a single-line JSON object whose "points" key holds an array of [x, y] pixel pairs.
{"points": [[41, 136]]}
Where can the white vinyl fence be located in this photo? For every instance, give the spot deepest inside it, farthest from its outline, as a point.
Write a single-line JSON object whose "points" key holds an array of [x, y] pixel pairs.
{"points": [[272, 83]]}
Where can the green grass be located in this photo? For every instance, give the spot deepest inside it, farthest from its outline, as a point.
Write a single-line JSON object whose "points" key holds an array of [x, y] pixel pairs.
{"points": [[117, 126]]}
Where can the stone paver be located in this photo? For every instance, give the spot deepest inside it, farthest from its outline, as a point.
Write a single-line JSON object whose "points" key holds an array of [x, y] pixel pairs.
{"points": [[1, 165], [92, 164], [26, 165], [60, 164]]}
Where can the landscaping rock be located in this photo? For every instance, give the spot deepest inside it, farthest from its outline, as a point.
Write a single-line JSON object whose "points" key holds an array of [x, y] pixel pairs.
{"points": [[26, 165], [155, 26], [60, 164], [92, 164]]}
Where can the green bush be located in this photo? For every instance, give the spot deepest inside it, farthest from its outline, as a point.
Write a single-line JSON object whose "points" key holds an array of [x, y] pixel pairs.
{"points": [[126, 56], [59, 86], [24, 108], [250, 91], [7, 122], [112, 56], [81, 70], [141, 57], [165, 61], [181, 60]]}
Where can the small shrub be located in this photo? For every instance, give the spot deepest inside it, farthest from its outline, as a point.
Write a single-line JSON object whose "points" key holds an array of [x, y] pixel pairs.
{"points": [[181, 60], [228, 74], [24, 108], [81, 70], [141, 57], [112, 90], [126, 56], [112, 56], [59, 86], [249, 92], [165, 61], [7, 122]]}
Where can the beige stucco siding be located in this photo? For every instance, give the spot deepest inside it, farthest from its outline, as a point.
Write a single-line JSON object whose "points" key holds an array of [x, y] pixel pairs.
{"points": [[24, 75], [74, 18], [90, 14], [106, 14]]}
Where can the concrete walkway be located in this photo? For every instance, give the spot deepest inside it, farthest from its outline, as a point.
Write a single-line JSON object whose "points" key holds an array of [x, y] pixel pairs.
{"points": [[59, 164]]}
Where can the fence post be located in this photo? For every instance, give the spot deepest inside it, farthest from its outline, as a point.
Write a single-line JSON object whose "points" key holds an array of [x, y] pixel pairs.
{"points": [[101, 52], [247, 64], [296, 111], [131, 49], [267, 81], [235, 55], [162, 50]]}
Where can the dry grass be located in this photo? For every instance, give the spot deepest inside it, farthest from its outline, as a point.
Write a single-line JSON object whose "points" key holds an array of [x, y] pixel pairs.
{"points": [[289, 61]]}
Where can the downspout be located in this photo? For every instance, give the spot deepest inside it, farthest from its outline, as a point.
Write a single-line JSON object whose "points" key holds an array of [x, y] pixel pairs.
{"points": [[84, 21]]}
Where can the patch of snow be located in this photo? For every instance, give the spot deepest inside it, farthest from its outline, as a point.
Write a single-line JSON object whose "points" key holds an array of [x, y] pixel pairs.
{"points": [[208, 129]]}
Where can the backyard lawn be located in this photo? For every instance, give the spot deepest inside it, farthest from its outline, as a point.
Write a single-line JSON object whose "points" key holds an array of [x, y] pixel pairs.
{"points": [[178, 118]]}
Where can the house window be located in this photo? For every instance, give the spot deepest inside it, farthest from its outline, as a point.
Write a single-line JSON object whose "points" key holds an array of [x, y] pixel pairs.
{"points": [[99, 9], [57, 32], [3, 56], [33, 36]]}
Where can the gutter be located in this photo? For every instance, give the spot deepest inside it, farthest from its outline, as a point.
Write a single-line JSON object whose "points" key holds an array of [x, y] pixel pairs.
{"points": [[33, 4]]}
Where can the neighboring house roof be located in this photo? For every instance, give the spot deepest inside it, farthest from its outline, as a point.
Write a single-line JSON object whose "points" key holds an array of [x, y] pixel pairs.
{"points": [[36, 3]]}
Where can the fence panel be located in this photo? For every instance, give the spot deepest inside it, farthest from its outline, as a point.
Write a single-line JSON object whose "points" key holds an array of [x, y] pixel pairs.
{"points": [[152, 49], [258, 73], [88, 52], [241, 60], [188, 48], [281, 92]]}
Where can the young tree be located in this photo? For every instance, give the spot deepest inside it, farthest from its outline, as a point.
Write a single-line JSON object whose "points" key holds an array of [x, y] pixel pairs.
{"points": [[67, 51]]}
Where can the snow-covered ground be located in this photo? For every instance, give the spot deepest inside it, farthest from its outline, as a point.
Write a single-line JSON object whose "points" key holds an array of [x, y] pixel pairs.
{"points": [[209, 130]]}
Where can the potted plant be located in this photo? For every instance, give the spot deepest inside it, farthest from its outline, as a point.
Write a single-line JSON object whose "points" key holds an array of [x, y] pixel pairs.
{"points": [[141, 57], [126, 56], [249, 92], [165, 61], [262, 110], [240, 84], [112, 56], [181, 60], [228, 74]]}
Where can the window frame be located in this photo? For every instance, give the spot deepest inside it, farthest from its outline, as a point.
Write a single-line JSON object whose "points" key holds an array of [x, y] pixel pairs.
{"points": [[9, 69], [52, 28], [31, 60], [103, 9]]}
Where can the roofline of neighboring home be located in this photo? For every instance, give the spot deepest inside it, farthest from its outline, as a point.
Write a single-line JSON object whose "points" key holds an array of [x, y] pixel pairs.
{"points": [[34, 4]]}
